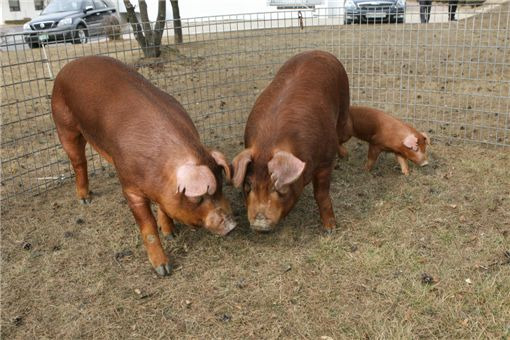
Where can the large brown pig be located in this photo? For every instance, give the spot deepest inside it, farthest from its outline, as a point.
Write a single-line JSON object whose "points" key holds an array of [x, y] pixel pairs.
{"points": [[386, 133], [291, 139], [152, 142]]}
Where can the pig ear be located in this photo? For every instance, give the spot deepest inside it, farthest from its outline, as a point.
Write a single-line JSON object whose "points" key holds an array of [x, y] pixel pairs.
{"points": [[240, 163], [221, 160], [427, 138], [195, 180], [284, 168], [411, 142]]}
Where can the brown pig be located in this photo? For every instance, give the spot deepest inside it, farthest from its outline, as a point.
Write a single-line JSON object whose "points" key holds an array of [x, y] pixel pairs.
{"points": [[291, 139], [152, 142], [386, 133]]}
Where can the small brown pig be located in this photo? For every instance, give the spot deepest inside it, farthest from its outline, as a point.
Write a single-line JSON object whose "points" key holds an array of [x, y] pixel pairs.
{"points": [[291, 139], [152, 142], [386, 133]]}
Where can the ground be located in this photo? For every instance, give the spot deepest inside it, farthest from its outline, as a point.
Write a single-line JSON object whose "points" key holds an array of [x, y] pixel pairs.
{"points": [[412, 257], [424, 256]]}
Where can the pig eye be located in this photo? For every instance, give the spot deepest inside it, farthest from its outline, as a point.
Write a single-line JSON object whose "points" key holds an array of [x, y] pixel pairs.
{"points": [[247, 187], [196, 200], [282, 192]]}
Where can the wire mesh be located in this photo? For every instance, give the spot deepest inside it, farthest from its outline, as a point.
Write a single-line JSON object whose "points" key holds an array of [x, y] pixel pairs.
{"points": [[450, 78]]}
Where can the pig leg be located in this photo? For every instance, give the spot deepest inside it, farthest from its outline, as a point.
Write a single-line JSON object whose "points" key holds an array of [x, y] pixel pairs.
{"points": [[166, 224], [74, 145], [403, 164], [141, 209], [321, 183], [373, 153], [342, 151]]}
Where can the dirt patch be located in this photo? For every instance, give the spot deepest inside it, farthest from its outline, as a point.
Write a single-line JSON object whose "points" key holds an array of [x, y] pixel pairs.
{"points": [[422, 256]]}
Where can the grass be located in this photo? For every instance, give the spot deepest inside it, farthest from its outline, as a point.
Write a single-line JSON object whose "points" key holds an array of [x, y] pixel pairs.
{"points": [[87, 275]]}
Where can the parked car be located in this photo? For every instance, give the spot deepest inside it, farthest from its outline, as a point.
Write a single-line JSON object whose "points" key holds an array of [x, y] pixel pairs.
{"points": [[69, 20], [375, 11]]}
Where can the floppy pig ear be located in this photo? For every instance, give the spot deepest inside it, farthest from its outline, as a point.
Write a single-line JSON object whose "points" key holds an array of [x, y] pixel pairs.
{"points": [[285, 168], [427, 138], [411, 142], [240, 163], [195, 180], [221, 160]]}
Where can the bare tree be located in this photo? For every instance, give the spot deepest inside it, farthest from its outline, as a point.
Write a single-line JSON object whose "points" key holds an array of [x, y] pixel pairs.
{"points": [[148, 35], [177, 21]]}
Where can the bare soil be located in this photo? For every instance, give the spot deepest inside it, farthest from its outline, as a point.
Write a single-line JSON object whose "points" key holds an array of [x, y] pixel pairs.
{"points": [[412, 257]]}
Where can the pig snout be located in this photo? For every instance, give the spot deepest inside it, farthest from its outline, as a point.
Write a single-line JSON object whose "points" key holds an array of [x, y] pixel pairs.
{"points": [[420, 158], [220, 222], [261, 223], [423, 160]]}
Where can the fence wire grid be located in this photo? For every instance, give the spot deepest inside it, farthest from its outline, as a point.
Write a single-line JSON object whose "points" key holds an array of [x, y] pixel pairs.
{"points": [[449, 78]]}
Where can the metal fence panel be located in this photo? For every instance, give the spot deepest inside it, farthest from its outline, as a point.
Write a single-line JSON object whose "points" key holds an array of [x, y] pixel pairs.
{"points": [[451, 79]]}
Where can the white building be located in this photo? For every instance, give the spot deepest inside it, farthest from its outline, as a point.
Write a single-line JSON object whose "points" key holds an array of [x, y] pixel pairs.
{"points": [[18, 10], [203, 8], [15, 10]]}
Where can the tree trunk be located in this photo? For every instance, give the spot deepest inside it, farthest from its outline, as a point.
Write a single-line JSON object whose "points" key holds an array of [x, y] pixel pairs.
{"points": [[159, 27], [148, 38], [177, 21], [146, 24], [133, 20]]}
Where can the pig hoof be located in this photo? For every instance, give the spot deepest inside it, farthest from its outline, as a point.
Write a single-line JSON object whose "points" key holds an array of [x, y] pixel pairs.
{"points": [[85, 201], [170, 237], [164, 269], [328, 230]]}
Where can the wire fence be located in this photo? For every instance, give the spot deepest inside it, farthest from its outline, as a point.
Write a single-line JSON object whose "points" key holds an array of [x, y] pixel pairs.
{"points": [[450, 78]]}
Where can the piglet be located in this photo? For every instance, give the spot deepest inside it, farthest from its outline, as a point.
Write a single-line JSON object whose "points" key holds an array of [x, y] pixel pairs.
{"points": [[291, 139], [385, 133], [152, 142]]}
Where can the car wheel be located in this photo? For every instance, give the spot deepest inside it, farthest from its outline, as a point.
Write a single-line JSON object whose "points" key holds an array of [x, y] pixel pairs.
{"points": [[347, 22], [81, 35], [33, 45], [400, 21]]}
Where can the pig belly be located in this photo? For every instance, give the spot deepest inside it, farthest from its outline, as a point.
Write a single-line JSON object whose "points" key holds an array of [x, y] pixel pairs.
{"points": [[100, 151]]}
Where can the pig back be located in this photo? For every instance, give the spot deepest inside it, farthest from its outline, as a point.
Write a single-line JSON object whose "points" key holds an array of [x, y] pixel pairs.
{"points": [[117, 109], [301, 107]]}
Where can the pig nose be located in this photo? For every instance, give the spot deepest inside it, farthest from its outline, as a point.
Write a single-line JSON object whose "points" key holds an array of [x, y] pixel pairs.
{"points": [[220, 223], [261, 223], [229, 224]]}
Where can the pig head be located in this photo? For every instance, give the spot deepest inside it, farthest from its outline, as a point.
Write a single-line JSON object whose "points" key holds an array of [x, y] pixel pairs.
{"points": [[271, 182], [414, 147], [197, 198]]}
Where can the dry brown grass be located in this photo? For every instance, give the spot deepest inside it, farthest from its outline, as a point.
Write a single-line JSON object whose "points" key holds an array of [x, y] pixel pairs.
{"points": [[69, 271], [81, 276]]}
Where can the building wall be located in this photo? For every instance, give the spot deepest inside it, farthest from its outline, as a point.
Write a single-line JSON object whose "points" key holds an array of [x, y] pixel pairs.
{"points": [[202, 8], [188, 8], [27, 10]]}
